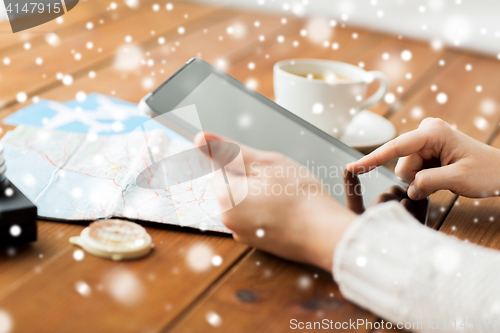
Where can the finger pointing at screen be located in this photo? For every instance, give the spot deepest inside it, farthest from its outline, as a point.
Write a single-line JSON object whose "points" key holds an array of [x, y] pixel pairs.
{"points": [[436, 156]]}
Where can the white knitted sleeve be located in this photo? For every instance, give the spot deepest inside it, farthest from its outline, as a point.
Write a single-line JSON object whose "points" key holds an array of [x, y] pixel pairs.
{"points": [[390, 264]]}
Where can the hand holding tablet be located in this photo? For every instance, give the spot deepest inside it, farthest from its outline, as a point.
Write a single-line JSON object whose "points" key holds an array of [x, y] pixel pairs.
{"points": [[229, 108]]}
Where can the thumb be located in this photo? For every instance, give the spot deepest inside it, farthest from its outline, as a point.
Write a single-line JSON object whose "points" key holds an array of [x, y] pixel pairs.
{"points": [[250, 155], [428, 181]]}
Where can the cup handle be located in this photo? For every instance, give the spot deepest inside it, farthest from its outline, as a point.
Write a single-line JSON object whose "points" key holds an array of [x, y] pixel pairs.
{"points": [[380, 93]]}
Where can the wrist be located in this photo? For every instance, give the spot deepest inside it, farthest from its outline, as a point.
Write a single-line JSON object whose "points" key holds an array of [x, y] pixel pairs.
{"points": [[496, 190], [491, 172], [337, 222]]}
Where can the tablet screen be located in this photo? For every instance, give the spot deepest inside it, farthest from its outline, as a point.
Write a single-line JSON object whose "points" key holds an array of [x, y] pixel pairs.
{"points": [[232, 111]]}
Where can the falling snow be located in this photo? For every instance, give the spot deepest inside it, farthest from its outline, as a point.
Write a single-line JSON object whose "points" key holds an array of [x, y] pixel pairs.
{"points": [[81, 96], [78, 255], [406, 55], [67, 80], [134, 4], [441, 98], [21, 97], [52, 39], [245, 121], [437, 44], [83, 288], [445, 259], [9, 192], [124, 287], [318, 30], [389, 98], [213, 319], [128, 58], [361, 261], [456, 29], [252, 83], [417, 112], [481, 123], [6, 324], [15, 230], [222, 64], [488, 106], [76, 192], [317, 108], [304, 282], [148, 83], [216, 260], [199, 257]]}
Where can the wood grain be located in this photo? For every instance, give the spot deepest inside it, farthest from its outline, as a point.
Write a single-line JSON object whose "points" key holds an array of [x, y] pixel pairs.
{"points": [[87, 11], [464, 105], [106, 38], [141, 295], [265, 58], [404, 75], [264, 294]]}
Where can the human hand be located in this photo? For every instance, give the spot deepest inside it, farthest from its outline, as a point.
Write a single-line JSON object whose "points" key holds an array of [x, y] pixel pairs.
{"points": [[436, 156], [354, 198], [287, 211]]}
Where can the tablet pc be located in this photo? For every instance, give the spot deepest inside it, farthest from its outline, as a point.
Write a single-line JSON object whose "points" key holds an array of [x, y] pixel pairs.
{"points": [[228, 107]]}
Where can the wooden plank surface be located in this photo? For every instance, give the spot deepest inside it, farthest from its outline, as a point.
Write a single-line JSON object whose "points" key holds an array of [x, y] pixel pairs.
{"points": [[43, 285], [265, 294], [106, 38], [265, 58], [87, 11], [61, 294]]}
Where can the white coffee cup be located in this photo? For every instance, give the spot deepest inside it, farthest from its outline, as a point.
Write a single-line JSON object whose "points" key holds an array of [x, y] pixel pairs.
{"points": [[328, 103]]}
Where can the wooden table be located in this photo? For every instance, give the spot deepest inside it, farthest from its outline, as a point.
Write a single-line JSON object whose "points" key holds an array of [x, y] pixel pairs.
{"points": [[43, 288]]}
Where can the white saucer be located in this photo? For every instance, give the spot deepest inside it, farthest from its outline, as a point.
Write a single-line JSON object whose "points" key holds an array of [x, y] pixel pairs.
{"points": [[368, 131]]}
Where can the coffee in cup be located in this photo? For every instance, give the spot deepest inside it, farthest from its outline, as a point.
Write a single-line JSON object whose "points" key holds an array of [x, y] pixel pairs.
{"points": [[325, 93]]}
